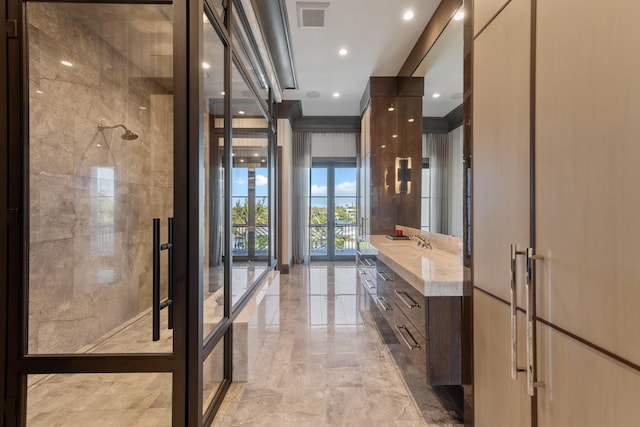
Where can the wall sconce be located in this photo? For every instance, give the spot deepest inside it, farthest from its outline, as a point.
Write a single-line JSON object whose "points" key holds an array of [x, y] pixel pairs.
{"points": [[403, 179]]}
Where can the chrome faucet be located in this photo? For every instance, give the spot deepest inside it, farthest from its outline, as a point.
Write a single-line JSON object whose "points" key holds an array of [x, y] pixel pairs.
{"points": [[423, 242]]}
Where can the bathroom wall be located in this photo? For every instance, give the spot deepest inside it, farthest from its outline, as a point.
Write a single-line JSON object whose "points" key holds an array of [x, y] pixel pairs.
{"points": [[92, 194]]}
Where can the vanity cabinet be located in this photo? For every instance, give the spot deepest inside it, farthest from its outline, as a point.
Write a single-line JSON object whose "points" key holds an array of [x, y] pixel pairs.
{"points": [[428, 328]]}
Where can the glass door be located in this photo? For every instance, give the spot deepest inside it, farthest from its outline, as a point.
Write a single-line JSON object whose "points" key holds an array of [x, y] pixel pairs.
{"points": [[99, 331], [333, 213]]}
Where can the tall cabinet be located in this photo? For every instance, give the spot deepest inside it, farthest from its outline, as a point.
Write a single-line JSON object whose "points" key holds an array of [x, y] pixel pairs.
{"points": [[556, 213]]}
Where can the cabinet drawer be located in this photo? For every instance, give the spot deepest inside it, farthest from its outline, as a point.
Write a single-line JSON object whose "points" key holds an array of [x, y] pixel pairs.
{"points": [[412, 303], [384, 273], [367, 279], [412, 342], [384, 301]]}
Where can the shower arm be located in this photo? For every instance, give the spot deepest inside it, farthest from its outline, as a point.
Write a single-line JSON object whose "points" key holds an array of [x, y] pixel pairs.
{"points": [[102, 127]]}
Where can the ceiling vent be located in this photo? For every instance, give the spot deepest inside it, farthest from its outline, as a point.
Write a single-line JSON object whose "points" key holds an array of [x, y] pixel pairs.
{"points": [[312, 14]]}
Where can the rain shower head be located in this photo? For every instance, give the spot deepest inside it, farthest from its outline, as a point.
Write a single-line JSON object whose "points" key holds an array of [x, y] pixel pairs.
{"points": [[127, 135]]}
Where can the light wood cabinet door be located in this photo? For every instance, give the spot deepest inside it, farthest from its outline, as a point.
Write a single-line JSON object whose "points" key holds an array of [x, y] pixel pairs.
{"points": [[499, 400], [501, 172], [483, 11], [583, 387], [587, 173], [501, 188]]}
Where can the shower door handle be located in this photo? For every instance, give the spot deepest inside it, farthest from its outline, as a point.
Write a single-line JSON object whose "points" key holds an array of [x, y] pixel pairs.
{"points": [[157, 304]]}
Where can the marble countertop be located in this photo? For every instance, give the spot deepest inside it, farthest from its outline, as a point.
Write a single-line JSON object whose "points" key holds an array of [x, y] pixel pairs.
{"points": [[433, 272]]}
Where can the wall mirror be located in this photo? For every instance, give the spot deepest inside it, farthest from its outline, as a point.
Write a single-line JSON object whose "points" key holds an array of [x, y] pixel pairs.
{"points": [[442, 139]]}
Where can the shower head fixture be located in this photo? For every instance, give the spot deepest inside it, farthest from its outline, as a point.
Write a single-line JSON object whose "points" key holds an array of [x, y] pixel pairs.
{"points": [[127, 135]]}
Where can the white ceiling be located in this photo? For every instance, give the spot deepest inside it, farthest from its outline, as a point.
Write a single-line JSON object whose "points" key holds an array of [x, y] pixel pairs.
{"points": [[378, 40], [374, 32]]}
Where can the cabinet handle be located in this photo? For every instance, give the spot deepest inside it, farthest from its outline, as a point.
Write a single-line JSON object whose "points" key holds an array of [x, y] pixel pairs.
{"points": [[406, 341], [157, 304], [384, 277], [383, 303], [531, 315], [514, 313], [413, 303], [369, 284]]}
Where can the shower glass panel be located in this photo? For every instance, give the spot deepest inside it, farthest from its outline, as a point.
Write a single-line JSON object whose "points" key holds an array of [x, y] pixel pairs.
{"points": [[125, 399], [100, 171], [214, 197], [249, 189]]}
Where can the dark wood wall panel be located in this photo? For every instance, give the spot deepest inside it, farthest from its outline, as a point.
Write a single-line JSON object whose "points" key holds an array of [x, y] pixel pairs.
{"points": [[393, 136]]}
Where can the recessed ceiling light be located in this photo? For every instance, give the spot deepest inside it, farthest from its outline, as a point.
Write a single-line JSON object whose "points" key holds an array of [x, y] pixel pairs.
{"points": [[241, 160], [411, 120], [458, 16], [343, 51], [240, 112], [39, 91], [206, 65], [394, 136], [436, 95], [255, 154], [336, 94], [313, 94], [143, 108], [66, 63], [383, 146], [408, 15], [263, 161], [222, 93], [391, 109]]}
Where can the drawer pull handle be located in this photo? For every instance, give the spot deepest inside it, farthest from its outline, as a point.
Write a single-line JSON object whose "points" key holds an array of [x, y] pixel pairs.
{"points": [[413, 303], [369, 284], [406, 341], [385, 277], [383, 303]]}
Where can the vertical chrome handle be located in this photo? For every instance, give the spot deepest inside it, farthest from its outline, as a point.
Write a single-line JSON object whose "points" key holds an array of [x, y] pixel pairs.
{"points": [[514, 313], [531, 316]]}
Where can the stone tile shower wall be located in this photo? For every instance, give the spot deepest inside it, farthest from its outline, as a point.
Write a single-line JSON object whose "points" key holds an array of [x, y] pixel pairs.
{"points": [[92, 194]]}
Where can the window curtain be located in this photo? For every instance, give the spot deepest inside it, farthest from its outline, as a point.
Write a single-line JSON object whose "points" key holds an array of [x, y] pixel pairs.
{"points": [[216, 210], [456, 175], [439, 153], [301, 153], [334, 145]]}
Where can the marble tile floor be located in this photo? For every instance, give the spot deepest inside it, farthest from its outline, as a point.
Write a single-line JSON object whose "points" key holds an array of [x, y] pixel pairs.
{"points": [[323, 364], [327, 365]]}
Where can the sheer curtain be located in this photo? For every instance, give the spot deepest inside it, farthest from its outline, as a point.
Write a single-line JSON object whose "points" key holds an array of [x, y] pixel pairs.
{"points": [[301, 153], [456, 175], [439, 152]]}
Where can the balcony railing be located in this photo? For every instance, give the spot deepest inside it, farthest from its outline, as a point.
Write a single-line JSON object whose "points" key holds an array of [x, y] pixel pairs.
{"points": [[345, 239], [241, 240]]}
